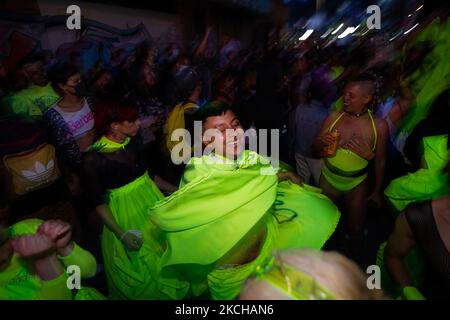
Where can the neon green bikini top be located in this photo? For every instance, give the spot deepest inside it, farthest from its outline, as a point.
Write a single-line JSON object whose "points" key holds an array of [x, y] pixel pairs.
{"points": [[346, 160]]}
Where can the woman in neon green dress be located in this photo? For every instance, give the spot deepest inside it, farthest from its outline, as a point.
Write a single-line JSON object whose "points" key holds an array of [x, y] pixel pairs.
{"points": [[231, 212], [122, 192]]}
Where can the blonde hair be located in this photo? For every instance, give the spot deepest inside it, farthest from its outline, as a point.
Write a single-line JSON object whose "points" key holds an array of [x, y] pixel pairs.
{"points": [[331, 270]]}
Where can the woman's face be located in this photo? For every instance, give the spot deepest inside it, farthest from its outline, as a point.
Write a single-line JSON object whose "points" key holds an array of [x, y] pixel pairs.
{"points": [[225, 133], [70, 86], [128, 128], [355, 98]]}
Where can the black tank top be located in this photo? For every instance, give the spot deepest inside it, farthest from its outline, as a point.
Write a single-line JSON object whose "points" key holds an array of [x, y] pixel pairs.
{"points": [[437, 279]]}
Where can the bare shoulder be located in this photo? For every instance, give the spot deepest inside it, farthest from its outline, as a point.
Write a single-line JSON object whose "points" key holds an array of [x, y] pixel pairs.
{"points": [[382, 126], [334, 115]]}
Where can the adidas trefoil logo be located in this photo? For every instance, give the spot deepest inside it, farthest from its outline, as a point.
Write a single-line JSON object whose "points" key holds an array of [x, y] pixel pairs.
{"points": [[40, 172]]}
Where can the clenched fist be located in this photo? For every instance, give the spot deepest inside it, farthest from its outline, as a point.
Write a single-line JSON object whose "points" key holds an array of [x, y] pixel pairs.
{"points": [[57, 231], [32, 246]]}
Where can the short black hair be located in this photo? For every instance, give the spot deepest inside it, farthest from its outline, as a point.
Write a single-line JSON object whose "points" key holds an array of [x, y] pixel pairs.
{"points": [[366, 78], [213, 109], [61, 73]]}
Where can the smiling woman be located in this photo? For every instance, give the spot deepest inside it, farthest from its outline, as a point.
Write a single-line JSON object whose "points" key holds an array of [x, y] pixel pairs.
{"points": [[222, 129]]}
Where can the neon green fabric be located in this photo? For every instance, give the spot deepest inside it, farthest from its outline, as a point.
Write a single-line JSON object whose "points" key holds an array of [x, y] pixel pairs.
{"points": [[412, 293], [133, 274], [424, 184], [239, 196], [29, 226], [82, 258], [436, 153], [335, 72], [338, 104], [18, 283], [306, 218], [106, 145], [86, 293], [226, 283], [433, 78], [292, 282], [32, 101], [219, 202], [346, 160], [416, 267]]}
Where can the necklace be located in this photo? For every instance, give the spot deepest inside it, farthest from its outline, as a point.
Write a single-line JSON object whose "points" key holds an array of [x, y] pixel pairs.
{"points": [[357, 115]]}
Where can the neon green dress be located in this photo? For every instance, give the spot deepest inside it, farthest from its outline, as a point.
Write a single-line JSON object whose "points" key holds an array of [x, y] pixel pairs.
{"points": [[18, 282], [133, 274], [346, 170], [217, 204], [424, 184]]}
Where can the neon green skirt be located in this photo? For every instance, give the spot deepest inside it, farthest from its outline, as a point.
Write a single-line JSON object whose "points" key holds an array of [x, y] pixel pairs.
{"points": [[306, 218], [133, 274]]}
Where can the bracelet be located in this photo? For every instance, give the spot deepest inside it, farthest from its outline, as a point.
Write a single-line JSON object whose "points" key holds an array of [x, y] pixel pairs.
{"points": [[123, 235], [132, 232]]}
